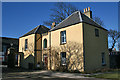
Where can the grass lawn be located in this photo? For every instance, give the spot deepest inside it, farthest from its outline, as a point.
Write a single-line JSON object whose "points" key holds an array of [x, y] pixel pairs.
{"points": [[114, 75]]}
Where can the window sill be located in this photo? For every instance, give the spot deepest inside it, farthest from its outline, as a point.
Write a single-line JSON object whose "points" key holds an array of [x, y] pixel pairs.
{"points": [[104, 64], [62, 43], [25, 49], [44, 48]]}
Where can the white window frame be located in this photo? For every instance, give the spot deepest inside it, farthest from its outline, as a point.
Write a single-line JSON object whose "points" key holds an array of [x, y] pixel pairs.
{"points": [[63, 37], [63, 59]]}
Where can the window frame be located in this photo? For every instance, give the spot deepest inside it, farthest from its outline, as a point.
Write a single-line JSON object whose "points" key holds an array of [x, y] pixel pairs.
{"points": [[63, 58], [26, 44], [63, 37], [103, 59], [97, 32], [45, 45]]}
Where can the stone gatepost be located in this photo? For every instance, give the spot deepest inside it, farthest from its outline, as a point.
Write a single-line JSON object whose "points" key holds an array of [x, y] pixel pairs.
{"points": [[11, 57]]}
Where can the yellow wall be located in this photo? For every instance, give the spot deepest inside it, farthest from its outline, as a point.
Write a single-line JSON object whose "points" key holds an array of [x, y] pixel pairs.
{"points": [[73, 34], [46, 51], [94, 46], [27, 57]]}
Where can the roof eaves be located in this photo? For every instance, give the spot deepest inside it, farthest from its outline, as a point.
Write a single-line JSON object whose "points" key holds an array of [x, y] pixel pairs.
{"points": [[99, 26], [66, 26]]}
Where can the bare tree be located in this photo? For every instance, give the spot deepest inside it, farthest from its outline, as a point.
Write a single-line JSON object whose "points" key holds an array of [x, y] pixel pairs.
{"points": [[98, 20], [29, 50], [60, 12], [74, 56], [115, 35]]}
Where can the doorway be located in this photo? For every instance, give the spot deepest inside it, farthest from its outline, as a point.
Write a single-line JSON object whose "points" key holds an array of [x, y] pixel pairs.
{"points": [[45, 61]]}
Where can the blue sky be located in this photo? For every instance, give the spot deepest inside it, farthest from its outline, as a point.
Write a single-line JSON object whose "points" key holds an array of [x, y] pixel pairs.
{"points": [[20, 17]]}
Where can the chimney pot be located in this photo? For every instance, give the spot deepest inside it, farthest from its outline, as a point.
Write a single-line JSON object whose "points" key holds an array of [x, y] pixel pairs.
{"points": [[114, 49], [53, 25], [88, 12], [88, 8], [84, 10]]}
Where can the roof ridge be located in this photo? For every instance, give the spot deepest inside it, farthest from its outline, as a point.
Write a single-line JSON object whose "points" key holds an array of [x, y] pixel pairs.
{"points": [[37, 28], [80, 16], [45, 26], [65, 19], [92, 20]]}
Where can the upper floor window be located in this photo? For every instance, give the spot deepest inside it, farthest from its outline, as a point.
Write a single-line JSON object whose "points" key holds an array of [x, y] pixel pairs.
{"points": [[45, 43], [103, 59], [63, 37], [96, 32], [63, 58], [26, 44]]}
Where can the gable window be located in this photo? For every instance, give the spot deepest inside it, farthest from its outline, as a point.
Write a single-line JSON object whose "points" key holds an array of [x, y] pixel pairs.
{"points": [[96, 32], [26, 44], [63, 37], [63, 58], [45, 43], [103, 59]]}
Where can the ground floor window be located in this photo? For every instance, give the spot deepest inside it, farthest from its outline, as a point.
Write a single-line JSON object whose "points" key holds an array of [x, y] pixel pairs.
{"points": [[45, 60], [103, 58], [63, 58]]}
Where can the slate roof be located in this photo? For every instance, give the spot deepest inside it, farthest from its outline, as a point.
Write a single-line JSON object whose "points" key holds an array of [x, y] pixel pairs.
{"points": [[37, 30], [7, 40], [74, 18]]}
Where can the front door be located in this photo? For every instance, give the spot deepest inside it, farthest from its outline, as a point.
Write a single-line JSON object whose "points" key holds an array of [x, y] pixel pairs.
{"points": [[45, 61]]}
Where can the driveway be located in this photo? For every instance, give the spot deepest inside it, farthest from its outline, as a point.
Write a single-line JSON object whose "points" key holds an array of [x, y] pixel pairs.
{"points": [[44, 75]]}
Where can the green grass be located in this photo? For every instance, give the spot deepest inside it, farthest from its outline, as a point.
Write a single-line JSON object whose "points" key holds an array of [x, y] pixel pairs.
{"points": [[115, 75]]}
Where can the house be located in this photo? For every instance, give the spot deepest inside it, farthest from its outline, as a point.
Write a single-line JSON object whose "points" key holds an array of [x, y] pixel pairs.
{"points": [[77, 43], [6, 44]]}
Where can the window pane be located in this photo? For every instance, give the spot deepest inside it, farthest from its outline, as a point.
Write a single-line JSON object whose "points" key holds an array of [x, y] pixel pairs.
{"points": [[103, 58], [62, 33], [97, 32], [63, 58], [63, 36], [45, 43], [26, 43], [62, 39]]}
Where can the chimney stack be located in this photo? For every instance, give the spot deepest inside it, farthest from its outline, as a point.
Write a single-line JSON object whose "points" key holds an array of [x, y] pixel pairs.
{"points": [[88, 8], [88, 12], [114, 49], [53, 25]]}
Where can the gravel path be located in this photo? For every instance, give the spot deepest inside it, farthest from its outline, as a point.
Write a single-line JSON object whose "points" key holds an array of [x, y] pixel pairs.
{"points": [[43, 75]]}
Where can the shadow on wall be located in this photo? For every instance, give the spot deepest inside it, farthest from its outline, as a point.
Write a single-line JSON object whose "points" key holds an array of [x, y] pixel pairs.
{"points": [[28, 62], [73, 58]]}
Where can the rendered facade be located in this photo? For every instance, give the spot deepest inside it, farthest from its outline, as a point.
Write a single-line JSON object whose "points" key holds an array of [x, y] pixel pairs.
{"points": [[77, 43]]}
